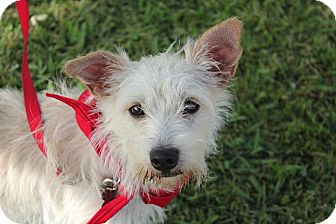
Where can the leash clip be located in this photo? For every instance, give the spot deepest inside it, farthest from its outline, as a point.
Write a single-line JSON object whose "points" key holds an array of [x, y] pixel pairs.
{"points": [[109, 188], [110, 184]]}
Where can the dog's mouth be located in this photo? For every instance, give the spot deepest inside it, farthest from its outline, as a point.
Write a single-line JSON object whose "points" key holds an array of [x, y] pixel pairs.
{"points": [[150, 175], [158, 175], [179, 176], [169, 173]]}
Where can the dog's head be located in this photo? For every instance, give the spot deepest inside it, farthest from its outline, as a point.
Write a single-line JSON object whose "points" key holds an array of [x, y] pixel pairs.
{"points": [[160, 115]]}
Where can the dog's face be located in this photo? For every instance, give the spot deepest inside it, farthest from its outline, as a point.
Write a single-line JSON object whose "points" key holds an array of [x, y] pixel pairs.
{"points": [[161, 114]]}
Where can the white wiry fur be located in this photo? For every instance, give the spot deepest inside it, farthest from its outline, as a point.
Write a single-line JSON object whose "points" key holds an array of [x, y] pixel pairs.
{"points": [[30, 190]]}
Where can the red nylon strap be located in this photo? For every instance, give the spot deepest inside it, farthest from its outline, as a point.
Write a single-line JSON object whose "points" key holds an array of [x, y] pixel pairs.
{"points": [[86, 119], [109, 210], [29, 94], [160, 198]]}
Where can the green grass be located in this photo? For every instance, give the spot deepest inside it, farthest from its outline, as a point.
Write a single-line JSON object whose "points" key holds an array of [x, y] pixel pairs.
{"points": [[277, 154]]}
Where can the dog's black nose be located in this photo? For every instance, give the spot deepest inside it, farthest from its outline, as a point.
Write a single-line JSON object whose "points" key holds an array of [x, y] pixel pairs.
{"points": [[164, 159]]}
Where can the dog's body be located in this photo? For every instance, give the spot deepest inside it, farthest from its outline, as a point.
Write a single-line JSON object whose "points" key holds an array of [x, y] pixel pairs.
{"points": [[159, 119]]}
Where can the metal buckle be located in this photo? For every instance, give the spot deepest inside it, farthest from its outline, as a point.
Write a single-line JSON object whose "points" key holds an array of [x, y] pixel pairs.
{"points": [[110, 184]]}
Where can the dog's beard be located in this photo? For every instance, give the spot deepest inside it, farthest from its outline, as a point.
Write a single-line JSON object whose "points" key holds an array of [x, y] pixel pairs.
{"points": [[176, 178]]}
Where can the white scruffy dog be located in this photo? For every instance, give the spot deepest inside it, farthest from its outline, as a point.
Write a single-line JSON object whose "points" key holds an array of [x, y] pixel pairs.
{"points": [[159, 118]]}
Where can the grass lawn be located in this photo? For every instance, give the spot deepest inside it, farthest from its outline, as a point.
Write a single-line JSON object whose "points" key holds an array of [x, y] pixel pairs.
{"points": [[277, 160]]}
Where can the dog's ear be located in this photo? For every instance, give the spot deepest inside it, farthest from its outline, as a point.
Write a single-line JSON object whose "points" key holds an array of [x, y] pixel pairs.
{"points": [[221, 46], [94, 69]]}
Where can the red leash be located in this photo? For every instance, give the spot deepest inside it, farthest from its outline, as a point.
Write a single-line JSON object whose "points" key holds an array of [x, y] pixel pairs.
{"points": [[86, 120], [29, 94]]}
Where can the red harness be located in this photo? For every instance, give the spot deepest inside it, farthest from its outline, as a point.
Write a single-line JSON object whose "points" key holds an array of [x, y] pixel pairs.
{"points": [[86, 121]]}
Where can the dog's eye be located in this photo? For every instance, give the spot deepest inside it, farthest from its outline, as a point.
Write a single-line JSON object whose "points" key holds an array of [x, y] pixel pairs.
{"points": [[136, 111], [190, 107]]}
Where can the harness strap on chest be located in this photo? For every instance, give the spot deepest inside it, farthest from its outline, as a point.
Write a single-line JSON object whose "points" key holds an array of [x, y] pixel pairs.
{"points": [[104, 214]]}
